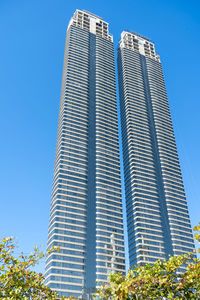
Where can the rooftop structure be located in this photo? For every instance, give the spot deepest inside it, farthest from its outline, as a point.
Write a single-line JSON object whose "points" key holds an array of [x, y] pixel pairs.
{"points": [[138, 43], [90, 22]]}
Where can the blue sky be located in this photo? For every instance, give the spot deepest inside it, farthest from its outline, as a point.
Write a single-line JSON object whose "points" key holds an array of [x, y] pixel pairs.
{"points": [[31, 56]]}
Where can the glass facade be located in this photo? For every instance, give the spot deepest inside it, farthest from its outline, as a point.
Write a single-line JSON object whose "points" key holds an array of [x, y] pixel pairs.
{"points": [[86, 218], [157, 213]]}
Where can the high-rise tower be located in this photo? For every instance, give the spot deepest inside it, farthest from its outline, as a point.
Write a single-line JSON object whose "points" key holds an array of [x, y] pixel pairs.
{"points": [[86, 218], [157, 213]]}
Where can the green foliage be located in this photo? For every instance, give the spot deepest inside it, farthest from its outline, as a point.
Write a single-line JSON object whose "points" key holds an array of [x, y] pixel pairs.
{"points": [[161, 280], [197, 234], [17, 280]]}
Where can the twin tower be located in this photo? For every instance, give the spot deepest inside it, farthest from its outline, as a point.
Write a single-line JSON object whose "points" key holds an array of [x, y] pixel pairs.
{"points": [[86, 218]]}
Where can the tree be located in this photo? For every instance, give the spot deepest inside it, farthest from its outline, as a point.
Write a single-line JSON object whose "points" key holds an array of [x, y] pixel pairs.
{"points": [[161, 280], [17, 280], [197, 234]]}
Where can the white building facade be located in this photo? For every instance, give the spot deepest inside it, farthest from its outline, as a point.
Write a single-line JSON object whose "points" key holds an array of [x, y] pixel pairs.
{"points": [[157, 213], [86, 218]]}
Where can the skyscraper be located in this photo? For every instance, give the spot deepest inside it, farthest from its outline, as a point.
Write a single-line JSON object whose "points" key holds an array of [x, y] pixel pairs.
{"points": [[86, 218], [157, 213]]}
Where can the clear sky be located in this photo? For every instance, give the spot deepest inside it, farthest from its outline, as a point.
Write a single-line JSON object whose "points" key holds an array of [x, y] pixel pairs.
{"points": [[32, 34]]}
